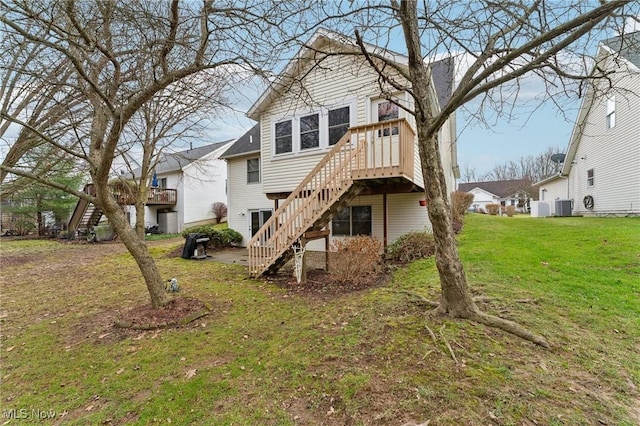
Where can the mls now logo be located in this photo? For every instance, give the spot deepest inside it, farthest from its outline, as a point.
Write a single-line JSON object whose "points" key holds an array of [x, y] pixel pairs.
{"points": [[23, 413], [15, 413]]}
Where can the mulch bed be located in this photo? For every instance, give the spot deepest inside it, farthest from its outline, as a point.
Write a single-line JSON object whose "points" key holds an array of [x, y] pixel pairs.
{"points": [[178, 312]]}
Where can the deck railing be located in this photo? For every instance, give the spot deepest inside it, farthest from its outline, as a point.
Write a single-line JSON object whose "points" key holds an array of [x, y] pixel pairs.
{"points": [[370, 151], [162, 196]]}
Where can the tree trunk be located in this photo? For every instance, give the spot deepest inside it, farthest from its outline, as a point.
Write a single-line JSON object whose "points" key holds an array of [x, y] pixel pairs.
{"points": [[135, 245], [140, 219], [40, 221], [456, 299]]}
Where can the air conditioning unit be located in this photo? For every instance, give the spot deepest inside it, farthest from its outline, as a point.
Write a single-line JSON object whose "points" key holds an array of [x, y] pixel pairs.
{"points": [[563, 207]]}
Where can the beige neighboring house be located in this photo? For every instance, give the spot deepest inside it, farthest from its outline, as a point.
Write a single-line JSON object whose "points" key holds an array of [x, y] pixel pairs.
{"points": [[600, 174], [331, 156], [515, 192]]}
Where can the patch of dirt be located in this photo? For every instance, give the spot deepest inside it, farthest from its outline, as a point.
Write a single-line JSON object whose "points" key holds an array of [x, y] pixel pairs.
{"points": [[17, 260], [180, 311], [320, 282]]}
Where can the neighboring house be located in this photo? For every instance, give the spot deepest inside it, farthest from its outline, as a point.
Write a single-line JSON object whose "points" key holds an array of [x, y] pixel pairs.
{"points": [[601, 170], [187, 183], [248, 207], [331, 154], [516, 192]]}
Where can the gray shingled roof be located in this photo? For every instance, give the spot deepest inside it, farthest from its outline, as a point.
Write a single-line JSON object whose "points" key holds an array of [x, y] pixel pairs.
{"points": [[501, 188], [627, 46], [246, 144], [177, 161], [442, 73]]}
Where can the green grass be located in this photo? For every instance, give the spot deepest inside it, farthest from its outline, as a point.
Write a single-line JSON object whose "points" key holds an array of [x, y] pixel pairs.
{"points": [[159, 237], [267, 357]]}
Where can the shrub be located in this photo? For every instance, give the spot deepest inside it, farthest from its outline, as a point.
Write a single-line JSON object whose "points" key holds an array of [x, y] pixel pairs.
{"points": [[412, 246], [202, 229], [493, 209], [511, 210], [460, 203], [217, 237], [220, 210], [353, 259]]}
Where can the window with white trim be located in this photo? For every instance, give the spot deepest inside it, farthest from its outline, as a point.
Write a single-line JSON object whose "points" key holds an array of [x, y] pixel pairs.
{"points": [[611, 112], [310, 132], [319, 129], [351, 221], [338, 124], [253, 170], [284, 136], [590, 177]]}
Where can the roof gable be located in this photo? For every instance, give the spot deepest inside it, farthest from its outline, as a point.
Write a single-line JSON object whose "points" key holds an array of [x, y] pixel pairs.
{"points": [[443, 71]]}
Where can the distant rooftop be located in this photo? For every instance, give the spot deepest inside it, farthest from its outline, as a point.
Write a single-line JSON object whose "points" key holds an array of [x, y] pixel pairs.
{"points": [[627, 46], [501, 188], [246, 144]]}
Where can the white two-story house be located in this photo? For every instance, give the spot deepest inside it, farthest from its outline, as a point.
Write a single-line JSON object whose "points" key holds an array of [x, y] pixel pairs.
{"points": [[333, 154], [601, 170]]}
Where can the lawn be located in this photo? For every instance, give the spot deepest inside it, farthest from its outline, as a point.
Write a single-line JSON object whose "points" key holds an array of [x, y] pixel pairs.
{"points": [[268, 356]]}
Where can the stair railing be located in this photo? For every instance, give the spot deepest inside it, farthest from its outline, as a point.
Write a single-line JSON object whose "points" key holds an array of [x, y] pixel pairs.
{"points": [[320, 189]]}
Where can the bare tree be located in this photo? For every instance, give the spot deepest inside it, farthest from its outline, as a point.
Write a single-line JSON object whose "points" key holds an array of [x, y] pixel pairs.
{"points": [[174, 117], [503, 42], [115, 58], [531, 167]]}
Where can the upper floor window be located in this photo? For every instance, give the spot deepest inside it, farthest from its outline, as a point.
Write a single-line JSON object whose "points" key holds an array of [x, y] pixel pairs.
{"points": [[310, 131], [339, 120], [388, 110], [284, 136], [317, 129], [253, 170], [162, 182], [590, 177], [611, 112], [351, 221]]}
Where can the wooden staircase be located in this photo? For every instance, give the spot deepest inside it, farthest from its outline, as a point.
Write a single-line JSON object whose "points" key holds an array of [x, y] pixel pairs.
{"points": [[85, 215], [371, 151], [325, 190]]}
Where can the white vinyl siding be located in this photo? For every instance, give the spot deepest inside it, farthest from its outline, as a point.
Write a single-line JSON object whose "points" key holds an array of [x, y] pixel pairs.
{"points": [[242, 198], [405, 214], [203, 183], [341, 81]]}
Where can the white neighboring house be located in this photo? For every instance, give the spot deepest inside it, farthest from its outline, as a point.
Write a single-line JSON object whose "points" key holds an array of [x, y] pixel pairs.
{"points": [[515, 192], [331, 154], [601, 170], [188, 183], [248, 207]]}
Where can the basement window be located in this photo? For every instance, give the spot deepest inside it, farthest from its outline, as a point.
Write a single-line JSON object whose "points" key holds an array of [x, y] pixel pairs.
{"points": [[352, 221]]}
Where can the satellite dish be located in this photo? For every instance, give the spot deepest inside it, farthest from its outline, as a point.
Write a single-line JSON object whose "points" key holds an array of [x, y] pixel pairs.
{"points": [[558, 158]]}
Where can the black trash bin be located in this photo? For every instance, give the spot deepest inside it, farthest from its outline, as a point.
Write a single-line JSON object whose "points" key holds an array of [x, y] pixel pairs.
{"points": [[195, 246]]}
